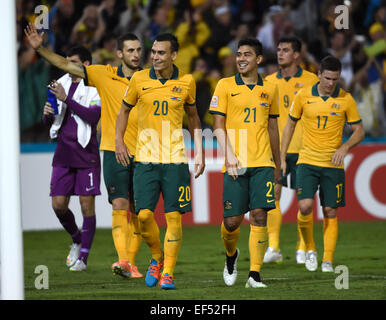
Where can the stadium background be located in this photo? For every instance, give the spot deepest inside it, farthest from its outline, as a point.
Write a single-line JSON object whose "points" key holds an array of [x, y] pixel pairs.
{"points": [[208, 32]]}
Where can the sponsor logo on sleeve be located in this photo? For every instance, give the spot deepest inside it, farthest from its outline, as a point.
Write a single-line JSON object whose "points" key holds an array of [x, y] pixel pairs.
{"points": [[214, 102]]}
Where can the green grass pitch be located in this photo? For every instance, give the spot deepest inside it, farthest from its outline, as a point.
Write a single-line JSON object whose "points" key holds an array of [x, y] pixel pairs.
{"points": [[361, 247]]}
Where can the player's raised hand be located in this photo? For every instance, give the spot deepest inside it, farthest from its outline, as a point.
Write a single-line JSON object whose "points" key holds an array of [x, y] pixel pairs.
{"points": [[199, 165], [122, 153], [34, 38]]}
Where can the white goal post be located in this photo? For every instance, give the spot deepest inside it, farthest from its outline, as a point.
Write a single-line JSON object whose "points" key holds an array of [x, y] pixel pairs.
{"points": [[11, 246]]}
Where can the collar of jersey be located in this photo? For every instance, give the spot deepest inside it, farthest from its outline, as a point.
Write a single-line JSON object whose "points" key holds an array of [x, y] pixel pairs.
{"points": [[297, 74], [315, 92], [240, 81], [173, 77], [120, 72]]}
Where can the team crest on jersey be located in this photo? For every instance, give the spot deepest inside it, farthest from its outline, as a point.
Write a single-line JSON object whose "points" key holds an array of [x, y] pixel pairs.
{"points": [[299, 191], [214, 102], [335, 106], [227, 205], [264, 95], [111, 190], [176, 89]]}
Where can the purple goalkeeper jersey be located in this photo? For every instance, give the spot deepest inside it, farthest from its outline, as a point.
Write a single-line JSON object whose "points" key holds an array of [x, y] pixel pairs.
{"points": [[69, 153]]}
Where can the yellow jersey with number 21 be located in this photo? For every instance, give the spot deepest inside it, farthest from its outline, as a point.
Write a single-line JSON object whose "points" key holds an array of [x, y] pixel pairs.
{"points": [[247, 109]]}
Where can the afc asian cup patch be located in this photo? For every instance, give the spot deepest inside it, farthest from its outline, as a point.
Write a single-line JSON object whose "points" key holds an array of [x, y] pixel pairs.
{"points": [[214, 102], [227, 205]]}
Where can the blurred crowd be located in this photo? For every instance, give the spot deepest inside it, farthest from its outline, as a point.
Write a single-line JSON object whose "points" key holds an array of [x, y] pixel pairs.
{"points": [[208, 32]]}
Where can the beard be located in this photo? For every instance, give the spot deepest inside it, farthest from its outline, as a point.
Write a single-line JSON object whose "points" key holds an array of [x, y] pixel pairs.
{"points": [[129, 64]]}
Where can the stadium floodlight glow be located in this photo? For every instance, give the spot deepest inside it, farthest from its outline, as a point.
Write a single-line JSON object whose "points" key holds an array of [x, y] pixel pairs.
{"points": [[11, 250]]}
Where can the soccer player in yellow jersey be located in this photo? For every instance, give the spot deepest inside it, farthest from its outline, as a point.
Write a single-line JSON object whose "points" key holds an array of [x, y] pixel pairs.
{"points": [[245, 108], [289, 79], [324, 109], [111, 83], [161, 94]]}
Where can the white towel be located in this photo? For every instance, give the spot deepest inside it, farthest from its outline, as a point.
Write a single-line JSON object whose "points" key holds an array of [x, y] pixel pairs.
{"points": [[83, 95]]}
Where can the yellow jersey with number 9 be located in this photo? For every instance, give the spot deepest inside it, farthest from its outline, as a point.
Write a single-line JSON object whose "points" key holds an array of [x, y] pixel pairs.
{"points": [[160, 104], [288, 87], [247, 109], [323, 121]]}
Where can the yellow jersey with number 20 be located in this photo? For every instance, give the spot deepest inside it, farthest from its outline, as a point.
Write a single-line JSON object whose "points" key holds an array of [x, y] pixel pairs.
{"points": [[160, 104]]}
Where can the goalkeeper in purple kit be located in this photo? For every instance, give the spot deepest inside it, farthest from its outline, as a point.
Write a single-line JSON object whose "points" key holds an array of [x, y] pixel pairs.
{"points": [[76, 166]]}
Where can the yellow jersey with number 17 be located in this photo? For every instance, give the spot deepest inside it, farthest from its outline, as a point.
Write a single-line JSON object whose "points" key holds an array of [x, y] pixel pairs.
{"points": [[160, 104], [247, 109], [288, 87], [111, 85], [323, 121]]}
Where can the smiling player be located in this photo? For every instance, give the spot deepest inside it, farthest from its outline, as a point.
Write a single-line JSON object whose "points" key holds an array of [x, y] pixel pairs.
{"points": [[161, 95], [245, 108]]}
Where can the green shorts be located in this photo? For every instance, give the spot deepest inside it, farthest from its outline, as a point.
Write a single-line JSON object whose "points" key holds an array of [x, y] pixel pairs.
{"points": [[253, 190], [331, 183], [173, 180], [291, 160], [118, 179]]}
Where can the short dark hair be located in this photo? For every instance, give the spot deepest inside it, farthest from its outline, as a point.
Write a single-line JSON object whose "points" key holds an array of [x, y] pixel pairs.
{"points": [[126, 37], [252, 42], [83, 53], [330, 63], [294, 41], [168, 37]]}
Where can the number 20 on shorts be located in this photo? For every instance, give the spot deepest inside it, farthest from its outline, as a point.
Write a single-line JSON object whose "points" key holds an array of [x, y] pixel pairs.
{"points": [[184, 194]]}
